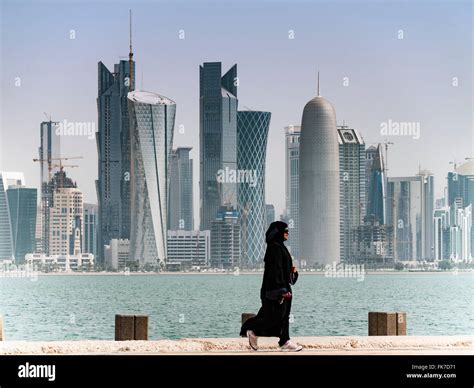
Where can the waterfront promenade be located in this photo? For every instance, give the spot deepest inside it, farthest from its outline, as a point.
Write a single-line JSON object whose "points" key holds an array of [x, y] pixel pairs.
{"points": [[340, 345]]}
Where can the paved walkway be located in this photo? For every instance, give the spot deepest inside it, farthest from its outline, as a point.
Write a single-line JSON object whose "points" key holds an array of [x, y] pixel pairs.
{"points": [[350, 345]]}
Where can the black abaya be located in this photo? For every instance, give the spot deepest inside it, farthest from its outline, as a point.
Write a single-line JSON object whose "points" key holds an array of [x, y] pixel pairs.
{"points": [[272, 319]]}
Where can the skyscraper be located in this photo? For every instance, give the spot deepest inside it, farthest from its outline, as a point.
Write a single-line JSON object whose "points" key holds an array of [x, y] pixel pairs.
{"points": [[39, 231], [375, 184], [461, 187], [410, 209], [352, 189], [22, 208], [252, 134], [461, 232], [373, 244], [152, 124], [452, 237], [113, 149], [91, 224], [49, 149], [181, 190], [442, 236], [217, 138], [225, 239], [292, 183], [65, 214], [270, 209], [6, 239], [49, 152], [6, 242], [319, 228]]}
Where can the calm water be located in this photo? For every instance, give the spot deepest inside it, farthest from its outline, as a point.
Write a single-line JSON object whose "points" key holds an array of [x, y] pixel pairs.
{"points": [[83, 307]]}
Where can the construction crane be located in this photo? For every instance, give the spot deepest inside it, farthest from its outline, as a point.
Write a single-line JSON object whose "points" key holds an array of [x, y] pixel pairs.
{"points": [[48, 116], [61, 169], [455, 162], [60, 165]]}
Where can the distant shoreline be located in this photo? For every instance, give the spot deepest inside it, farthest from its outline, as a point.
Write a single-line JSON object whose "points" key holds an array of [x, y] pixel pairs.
{"points": [[260, 273]]}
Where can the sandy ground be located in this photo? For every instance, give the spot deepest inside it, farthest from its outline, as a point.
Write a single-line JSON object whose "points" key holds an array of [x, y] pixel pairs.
{"points": [[357, 345]]}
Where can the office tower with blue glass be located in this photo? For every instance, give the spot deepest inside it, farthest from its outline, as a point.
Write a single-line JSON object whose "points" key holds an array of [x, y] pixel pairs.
{"points": [[6, 243], [180, 204], [375, 185], [6, 239], [292, 185], [91, 225], [410, 210], [22, 202], [319, 227], [352, 189], [217, 139], [225, 239], [113, 148], [152, 123], [252, 135]]}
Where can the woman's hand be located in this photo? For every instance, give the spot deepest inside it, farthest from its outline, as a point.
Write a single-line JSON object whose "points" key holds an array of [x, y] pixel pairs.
{"points": [[293, 269]]}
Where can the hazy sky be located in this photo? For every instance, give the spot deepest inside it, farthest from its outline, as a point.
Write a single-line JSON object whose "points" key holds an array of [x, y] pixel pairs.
{"points": [[403, 80]]}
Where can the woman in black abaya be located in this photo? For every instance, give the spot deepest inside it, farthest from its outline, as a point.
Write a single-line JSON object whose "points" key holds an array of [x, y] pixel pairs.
{"points": [[272, 319]]}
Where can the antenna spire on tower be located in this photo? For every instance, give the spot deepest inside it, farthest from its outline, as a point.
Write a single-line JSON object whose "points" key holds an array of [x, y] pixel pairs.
{"points": [[318, 85], [130, 55]]}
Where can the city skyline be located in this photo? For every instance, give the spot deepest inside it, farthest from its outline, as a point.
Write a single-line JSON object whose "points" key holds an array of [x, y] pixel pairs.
{"points": [[410, 96]]}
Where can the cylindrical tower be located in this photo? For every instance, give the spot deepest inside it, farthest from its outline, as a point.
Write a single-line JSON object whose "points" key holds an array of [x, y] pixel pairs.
{"points": [[319, 184]]}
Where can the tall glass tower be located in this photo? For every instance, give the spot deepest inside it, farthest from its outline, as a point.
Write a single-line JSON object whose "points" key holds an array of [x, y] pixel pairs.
{"points": [[292, 133], [252, 134], [461, 187], [410, 211], [22, 207], [217, 139], [181, 190], [113, 148], [6, 243], [152, 123], [89, 241], [375, 184], [352, 190], [6, 239]]}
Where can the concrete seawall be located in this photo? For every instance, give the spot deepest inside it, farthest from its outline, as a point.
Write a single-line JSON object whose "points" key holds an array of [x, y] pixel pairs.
{"points": [[347, 345]]}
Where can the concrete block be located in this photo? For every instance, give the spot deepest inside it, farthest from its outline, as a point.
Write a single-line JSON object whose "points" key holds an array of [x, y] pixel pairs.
{"points": [[124, 327], [387, 323], [141, 328]]}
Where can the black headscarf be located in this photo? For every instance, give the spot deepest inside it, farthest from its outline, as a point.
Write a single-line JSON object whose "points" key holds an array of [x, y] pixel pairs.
{"points": [[275, 232]]}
